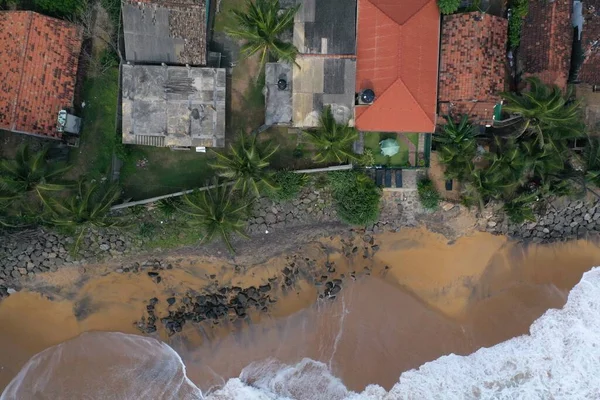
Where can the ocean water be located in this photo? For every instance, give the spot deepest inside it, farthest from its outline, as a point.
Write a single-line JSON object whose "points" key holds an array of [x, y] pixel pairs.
{"points": [[559, 359]]}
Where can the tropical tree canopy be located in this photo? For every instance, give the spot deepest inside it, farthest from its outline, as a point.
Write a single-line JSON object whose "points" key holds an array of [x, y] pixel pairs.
{"points": [[245, 164], [260, 26], [217, 212], [31, 171], [88, 205], [457, 147], [332, 141], [548, 115]]}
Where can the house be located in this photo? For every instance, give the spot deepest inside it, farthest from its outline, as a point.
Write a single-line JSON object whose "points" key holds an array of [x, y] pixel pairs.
{"points": [[397, 65], [173, 106], [165, 31], [39, 57], [587, 76], [324, 72], [546, 41], [472, 65]]}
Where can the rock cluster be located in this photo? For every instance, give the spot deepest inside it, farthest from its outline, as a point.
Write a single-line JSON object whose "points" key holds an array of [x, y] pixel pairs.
{"points": [[227, 303], [563, 220], [310, 206]]}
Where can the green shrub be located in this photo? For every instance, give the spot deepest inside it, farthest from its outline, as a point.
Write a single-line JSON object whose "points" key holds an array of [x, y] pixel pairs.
{"points": [[356, 197], [60, 8], [520, 9], [168, 206], [367, 159], [147, 230], [289, 184], [448, 6], [428, 195]]}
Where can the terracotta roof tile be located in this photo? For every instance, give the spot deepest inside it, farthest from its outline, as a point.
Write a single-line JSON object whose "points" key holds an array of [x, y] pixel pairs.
{"points": [[38, 67], [397, 57], [472, 68], [547, 40], [589, 71]]}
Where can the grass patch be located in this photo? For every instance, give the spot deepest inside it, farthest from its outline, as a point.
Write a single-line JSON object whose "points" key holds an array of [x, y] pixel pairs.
{"points": [[399, 159], [248, 101], [98, 137], [154, 171], [414, 138], [225, 19], [290, 154]]}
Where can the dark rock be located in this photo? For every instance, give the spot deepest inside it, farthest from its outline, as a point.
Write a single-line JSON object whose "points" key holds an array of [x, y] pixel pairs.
{"points": [[242, 299], [335, 290], [152, 274], [153, 301], [265, 288], [287, 271], [171, 300]]}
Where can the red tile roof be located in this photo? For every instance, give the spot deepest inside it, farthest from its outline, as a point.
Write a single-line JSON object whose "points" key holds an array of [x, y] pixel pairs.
{"points": [[472, 67], [547, 40], [38, 68], [589, 71], [397, 57]]}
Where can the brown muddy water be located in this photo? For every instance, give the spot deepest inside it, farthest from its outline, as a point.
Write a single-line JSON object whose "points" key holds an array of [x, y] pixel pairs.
{"points": [[419, 298]]}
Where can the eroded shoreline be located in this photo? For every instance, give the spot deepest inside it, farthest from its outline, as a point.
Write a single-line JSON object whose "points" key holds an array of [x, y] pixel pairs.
{"points": [[474, 283]]}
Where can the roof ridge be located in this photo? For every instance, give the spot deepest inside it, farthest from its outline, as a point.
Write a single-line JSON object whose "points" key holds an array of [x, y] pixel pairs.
{"points": [[31, 15], [408, 19], [414, 98]]}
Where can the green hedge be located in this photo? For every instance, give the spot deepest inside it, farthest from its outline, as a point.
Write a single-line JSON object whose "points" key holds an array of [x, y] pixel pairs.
{"points": [[356, 197], [428, 195]]}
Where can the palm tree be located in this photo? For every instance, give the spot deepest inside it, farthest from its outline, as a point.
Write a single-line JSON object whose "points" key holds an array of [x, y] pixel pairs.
{"points": [[591, 161], [261, 26], [480, 187], [520, 208], [546, 114], [333, 141], [89, 206], [218, 212], [30, 171], [457, 147], [246, 165]]}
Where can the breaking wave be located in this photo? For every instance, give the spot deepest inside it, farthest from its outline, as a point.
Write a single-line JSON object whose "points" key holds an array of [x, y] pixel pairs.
{"points": [[560, 359]]}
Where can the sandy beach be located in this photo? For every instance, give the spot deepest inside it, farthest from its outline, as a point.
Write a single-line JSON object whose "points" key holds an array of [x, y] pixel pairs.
{"points": [[404, 299]]}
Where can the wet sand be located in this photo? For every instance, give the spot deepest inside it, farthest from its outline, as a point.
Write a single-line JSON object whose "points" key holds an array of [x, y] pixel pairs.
{"points": [[420, 297]]}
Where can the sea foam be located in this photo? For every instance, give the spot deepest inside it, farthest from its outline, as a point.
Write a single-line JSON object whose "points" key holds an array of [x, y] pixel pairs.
{"points": [[560, 359]]}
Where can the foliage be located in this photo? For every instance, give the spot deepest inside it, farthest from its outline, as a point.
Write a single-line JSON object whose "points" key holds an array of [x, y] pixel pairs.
{"points": [[260, 26], [428, 194], [367, 159], [88, 206], [31, 171], [147, 229], [519, 10], [168, 206], [217, 212], [356, 197], [289, 185], [245, 165], [332, 141], [457, 147], [520, 208], [60, 8], [448, 6], [547, 115]]}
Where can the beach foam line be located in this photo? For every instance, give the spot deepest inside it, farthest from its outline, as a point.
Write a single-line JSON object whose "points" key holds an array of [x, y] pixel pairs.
{"points": [[559, 359]]}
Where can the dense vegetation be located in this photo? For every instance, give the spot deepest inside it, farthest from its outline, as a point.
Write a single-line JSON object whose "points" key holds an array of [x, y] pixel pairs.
{"points": [[448, 6], [530, 163], [356, 197], [332, 140], [261, 27], [289, 185], [428, 194], [519, 10]]}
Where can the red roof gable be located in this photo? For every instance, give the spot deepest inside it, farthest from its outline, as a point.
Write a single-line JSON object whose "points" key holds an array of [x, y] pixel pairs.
{"points": [[397, 57], [38, 67], [472, 67]]}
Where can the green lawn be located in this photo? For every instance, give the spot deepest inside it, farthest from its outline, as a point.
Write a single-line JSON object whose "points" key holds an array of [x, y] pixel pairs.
{"points": [[414, 138], [372, 140], [166, 171], [98, 138], [289, 155]]}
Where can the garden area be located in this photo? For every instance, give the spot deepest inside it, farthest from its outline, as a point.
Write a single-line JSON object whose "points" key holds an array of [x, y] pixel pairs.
{"points": [[393, 149]]}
